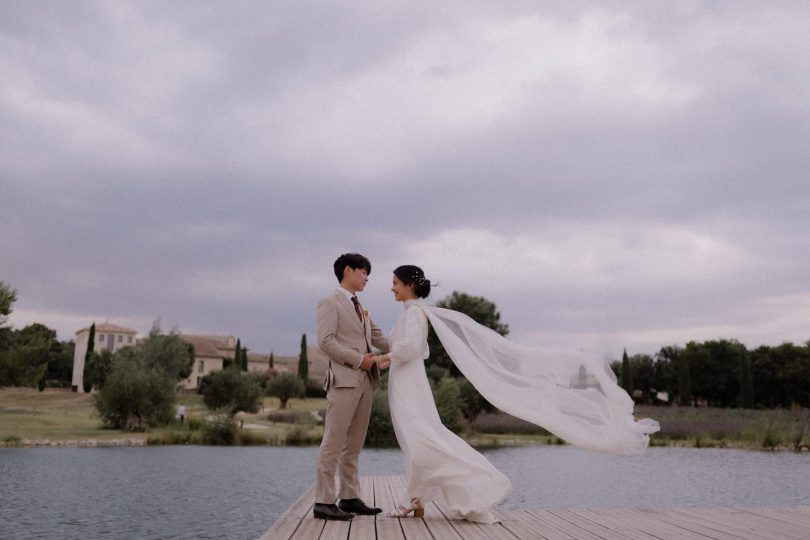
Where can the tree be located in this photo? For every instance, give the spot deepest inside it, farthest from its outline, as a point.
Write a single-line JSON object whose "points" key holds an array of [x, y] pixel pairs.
{"points": [[303, 361], [746, 383], [665, 370], [24, 365], [447, 396], [98, 369], [472, 402], [140, 389], [7, 298], [271, 360], [231, 390], [244, 359], [60, 364], [136, 394], [286, 386], [627, 377], [684, 381], [91, 346], [167, 352], [236, 360]]}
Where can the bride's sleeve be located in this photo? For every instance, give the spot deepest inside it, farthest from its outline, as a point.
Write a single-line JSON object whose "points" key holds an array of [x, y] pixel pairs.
{"points": [[411, 344]]}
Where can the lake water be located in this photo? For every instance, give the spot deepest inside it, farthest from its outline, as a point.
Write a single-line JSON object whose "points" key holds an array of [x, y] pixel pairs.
{"points": [[238, 492]]}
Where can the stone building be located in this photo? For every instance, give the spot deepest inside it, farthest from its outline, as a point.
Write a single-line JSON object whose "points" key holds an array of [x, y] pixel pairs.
{"points": [[109, 337]]}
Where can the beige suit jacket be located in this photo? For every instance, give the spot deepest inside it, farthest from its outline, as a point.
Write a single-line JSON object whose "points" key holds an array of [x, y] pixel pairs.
{"points": [[344, 338]]}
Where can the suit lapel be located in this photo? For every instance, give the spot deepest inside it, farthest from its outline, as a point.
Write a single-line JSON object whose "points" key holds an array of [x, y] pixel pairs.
{"points": [[347, 304]]}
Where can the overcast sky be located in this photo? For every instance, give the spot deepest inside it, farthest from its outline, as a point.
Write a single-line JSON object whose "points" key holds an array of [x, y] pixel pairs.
{"points": [[611, 175]]}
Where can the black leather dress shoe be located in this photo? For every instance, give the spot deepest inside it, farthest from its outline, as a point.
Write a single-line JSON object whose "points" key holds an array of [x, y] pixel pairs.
{"points": [[330, 511], [357, 506]]}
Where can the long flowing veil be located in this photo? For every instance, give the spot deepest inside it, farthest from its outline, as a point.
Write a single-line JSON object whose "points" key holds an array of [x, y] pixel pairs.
{"points": [[575, 396]]}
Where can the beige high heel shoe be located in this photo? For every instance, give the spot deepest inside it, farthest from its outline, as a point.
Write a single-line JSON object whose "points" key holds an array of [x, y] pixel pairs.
{"points": [[403, 511]]}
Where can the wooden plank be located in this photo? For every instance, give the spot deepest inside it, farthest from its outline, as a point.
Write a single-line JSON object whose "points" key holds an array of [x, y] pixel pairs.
{"points": [[283, 528], [763, 525], [786, 528], [703, 526], [302, 506], [413, 528], [800, 510], [557, 522], [599, 525], [336, 530], [629, 528], [310, 529], [780, 514], [722, 517], [387, 528], [656, 527], [364, 527], [522, 525]]}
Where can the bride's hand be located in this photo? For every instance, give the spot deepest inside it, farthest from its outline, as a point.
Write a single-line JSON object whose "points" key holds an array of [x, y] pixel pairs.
{"points": [[384, 361]]}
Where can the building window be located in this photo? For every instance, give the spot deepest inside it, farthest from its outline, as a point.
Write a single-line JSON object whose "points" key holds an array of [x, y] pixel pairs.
{"points": [[120, 339], [101, 337], [129, 339], [200, 366]]}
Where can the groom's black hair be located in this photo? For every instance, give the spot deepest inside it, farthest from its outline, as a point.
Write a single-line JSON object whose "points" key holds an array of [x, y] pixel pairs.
{"points": [[353, 261]]}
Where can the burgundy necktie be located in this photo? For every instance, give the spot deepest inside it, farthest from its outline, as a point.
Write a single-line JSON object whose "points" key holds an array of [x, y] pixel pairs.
{"points": [[356, 303]]}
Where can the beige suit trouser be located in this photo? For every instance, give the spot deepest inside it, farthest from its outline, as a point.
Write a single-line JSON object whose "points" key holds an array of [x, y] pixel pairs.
{"points": [[344, 431]]}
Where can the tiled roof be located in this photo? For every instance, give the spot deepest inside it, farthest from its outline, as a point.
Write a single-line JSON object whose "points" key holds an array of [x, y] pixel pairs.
{"points": [[108, 328], [207, 346]]}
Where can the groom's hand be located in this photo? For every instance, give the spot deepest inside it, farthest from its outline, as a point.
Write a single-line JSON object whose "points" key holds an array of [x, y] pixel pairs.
{"points": [[367, 361]]}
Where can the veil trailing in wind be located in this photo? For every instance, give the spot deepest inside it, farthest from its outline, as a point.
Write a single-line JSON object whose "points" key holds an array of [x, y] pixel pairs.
{"points": [[574, 396]]}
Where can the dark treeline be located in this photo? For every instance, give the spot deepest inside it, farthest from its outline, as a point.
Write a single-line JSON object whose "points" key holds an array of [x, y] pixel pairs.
{"points": [[722, 373]]}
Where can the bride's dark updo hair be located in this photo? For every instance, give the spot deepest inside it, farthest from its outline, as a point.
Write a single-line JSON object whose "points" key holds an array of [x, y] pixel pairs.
{"points": [[413, 275]]}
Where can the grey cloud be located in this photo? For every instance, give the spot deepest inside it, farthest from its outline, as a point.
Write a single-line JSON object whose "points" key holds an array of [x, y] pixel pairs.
{"points": [[159, 158]]}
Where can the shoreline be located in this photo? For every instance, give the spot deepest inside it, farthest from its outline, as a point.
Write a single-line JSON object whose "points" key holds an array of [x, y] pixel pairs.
{"points": [[483, 441]]}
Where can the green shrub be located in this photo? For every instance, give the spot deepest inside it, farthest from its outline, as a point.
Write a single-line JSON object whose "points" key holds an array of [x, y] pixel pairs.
{"points": [[300, 435], [772, 438], [380, 430], [447, 395], [195, 424], [221, 431], [284, 387], [230, 390], [12, 440], [290, 417]]}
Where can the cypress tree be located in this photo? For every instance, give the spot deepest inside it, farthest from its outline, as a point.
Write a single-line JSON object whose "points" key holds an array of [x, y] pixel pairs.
{"points": [[91, 347], [244, 359], [627, 377], [271, 359], [684, 381], [746, 383], [236, 360], [303, 361]]}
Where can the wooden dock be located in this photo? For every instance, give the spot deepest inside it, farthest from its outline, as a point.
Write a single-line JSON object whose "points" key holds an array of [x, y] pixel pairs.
{"points": [[761, 523]]}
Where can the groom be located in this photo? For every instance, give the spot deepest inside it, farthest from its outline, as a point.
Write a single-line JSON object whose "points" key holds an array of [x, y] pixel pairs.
{"points": [[346, 334]]}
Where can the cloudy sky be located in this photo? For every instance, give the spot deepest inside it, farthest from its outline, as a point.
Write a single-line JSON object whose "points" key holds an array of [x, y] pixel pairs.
{"points": [[611, 175]]}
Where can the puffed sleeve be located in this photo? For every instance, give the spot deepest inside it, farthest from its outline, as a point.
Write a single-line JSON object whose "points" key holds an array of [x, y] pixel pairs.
{"points": [[411, 344]]}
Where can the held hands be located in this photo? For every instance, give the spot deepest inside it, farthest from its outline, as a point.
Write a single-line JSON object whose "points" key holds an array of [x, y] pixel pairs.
{"points": [[367, 361], [384, 361]]}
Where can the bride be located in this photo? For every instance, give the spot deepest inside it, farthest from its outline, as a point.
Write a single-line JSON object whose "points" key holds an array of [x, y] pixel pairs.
{"points": [[576, 398]]}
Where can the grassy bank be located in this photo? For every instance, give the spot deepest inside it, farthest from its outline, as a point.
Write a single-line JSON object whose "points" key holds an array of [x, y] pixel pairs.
{"points": [[60, 417], [776, 429], [29, 417]]}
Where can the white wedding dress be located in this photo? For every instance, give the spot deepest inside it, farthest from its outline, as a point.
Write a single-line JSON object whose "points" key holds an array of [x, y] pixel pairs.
{"points": [[439, 465], [574, 396]]}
